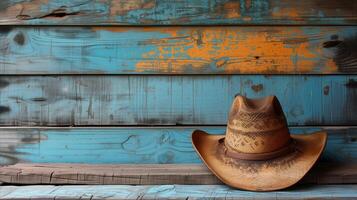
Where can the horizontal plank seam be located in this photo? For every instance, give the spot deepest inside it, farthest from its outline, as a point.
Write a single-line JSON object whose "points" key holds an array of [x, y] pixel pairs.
{"points": [[178, 74], [183, 25], [337, 127]]}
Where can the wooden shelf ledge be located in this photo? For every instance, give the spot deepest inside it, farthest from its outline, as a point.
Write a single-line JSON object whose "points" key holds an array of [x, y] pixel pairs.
{"points": [[148, 174], [116, 192]]}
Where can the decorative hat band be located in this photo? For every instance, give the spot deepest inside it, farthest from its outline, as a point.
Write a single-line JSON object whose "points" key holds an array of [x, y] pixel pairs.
{"points": [[224, 148]]}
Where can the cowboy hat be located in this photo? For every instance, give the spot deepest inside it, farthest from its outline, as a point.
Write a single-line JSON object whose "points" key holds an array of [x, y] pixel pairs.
{"points": [[257, 152]]}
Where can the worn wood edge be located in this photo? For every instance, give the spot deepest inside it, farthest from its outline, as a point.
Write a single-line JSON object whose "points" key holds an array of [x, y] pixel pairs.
{"points": [[148, 174], [183, 12]]}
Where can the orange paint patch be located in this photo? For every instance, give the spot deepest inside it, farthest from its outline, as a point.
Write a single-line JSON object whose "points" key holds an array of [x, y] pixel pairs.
{"points": [[123, 7], [291, 13], [234, 50], [330, 67], [232, 9]]}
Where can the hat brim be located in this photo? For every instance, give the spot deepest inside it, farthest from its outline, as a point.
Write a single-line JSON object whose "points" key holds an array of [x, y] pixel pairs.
{"points": [[273, 174]]}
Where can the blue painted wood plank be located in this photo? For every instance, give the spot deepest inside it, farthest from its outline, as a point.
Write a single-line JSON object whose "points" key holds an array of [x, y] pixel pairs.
{"points": [[184, 12], [170, 100], [216, 192], [135, 145], [179, 50]]}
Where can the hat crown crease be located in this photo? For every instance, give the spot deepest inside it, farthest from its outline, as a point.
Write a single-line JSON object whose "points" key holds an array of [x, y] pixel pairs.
{"points": [[255, 105]]}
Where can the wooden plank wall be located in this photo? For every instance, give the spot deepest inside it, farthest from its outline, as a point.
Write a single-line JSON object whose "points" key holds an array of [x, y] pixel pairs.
{"points": [[150, 145], [185, 12], [179, 50], [175, 63], [170, 100]]}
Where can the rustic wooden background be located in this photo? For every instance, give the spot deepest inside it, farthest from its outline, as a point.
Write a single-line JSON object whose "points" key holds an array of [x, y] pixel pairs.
{"points": [[127, 81]]}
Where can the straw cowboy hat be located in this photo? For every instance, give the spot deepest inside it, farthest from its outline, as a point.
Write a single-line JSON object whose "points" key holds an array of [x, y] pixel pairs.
{"points": [[258, 153]]}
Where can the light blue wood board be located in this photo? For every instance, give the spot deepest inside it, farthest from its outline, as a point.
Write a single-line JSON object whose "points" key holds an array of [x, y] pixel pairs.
{"points": [[184, 12], [216, 192], [170, 100], [135, 145], [178, 50]]}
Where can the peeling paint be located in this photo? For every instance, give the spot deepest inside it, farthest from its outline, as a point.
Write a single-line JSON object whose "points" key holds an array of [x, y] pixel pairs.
{"points": [[263, 51], [123, 8], [326, 90], [4, 109], [231, 9], [178, 50], [13, 139], [169, 100], [257, 88]]}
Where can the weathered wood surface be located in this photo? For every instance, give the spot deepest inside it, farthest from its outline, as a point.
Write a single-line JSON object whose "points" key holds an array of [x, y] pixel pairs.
{"points": [[149, 174], [179, 50], [185, 192], [170, 100], [164, 12], [135, 145]]}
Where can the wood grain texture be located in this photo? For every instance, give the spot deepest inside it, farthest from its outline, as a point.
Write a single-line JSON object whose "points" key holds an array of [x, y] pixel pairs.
{"points": [[144, 174], [186, 12], [170, 100], [136, 145], [179, 50], [216, 192]]}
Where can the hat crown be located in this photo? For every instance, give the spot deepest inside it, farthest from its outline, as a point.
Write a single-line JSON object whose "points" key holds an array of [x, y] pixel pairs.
{"points": [[256, 125]]}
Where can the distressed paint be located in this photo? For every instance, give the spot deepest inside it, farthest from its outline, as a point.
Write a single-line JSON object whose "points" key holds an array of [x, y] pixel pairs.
{"points": [[186, 12], [169, 100], [216, 192], [135, 145], [178, 50]]}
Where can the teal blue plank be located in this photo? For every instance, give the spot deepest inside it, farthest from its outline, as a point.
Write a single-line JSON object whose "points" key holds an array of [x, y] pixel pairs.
{"points": [[216, 192], [184, 12], [134, 145], [178, 50], [170, 100]]}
